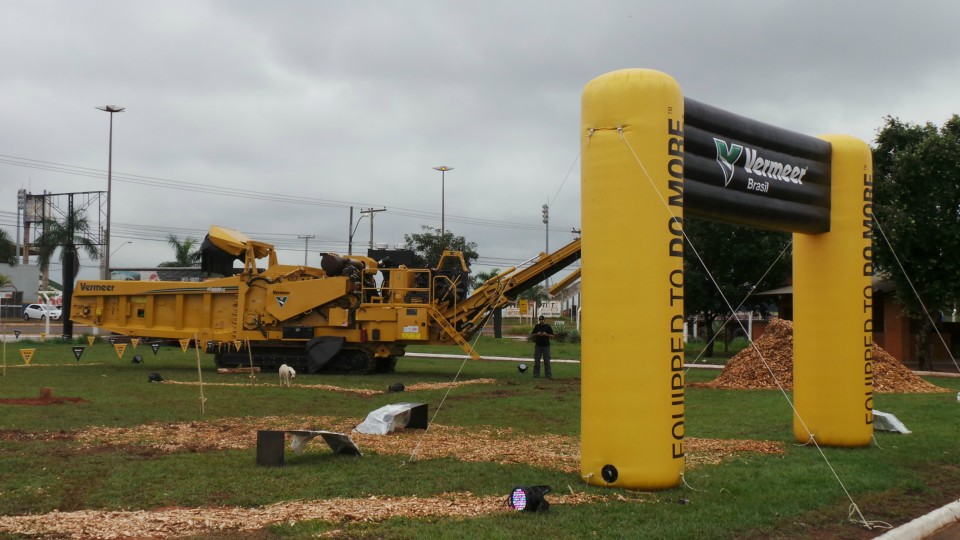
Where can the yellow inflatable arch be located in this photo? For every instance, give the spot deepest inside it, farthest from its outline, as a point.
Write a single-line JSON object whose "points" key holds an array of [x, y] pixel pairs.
{"points": [[650, 156]]}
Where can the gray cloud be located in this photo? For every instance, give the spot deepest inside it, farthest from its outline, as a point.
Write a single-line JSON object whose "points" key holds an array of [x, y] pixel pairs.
{"points": [[354, 103]]}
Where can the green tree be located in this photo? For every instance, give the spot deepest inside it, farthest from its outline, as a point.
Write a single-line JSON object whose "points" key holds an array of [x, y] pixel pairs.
{"points": [[186, 253], [480, 278], [917, 204], [737, 257], [8, 248], [57, 235], [428, 246], [5, 281]]}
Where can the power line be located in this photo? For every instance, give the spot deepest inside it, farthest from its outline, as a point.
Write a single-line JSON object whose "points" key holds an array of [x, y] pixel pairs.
{"points": [[163, 183]]}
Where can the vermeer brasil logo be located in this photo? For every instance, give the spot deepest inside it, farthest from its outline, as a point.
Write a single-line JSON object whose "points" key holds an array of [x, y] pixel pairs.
{"points": [[726, 157], [755, 165]]}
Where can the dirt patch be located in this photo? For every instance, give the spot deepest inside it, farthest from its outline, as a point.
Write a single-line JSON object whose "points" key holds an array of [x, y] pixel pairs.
{"points": [[770, 362], [42, 401], [20, 435]]}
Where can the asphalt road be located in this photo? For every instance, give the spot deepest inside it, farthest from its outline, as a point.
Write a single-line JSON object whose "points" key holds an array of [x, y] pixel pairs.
{"points": [[34, 328]]}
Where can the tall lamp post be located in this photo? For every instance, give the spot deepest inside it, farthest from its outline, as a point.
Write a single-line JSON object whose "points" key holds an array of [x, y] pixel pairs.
{"points": [[105, 270], [443, 177]]}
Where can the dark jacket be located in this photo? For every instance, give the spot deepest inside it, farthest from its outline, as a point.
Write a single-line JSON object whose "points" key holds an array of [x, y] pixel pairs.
{"points": [[542, 341]]}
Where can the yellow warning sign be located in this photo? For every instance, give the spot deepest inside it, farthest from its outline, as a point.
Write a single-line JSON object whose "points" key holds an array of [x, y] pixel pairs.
{"points": [[134, 341], [43, 337], [91, 339], [184, 343], [27, 355], [120, 347], [523, 307]]}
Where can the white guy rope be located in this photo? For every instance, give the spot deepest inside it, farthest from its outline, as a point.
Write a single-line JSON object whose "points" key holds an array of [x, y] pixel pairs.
{"points": [[643, 169], [745, 298], [915, 293], [416, 448]]}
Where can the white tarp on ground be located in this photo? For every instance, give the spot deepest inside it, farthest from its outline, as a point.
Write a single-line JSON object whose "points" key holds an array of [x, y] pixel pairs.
{"points": [[888, 422], [386, 419]]}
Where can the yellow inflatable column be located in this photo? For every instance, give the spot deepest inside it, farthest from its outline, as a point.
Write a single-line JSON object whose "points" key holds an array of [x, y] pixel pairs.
{"points": [[632, 281], [832, 297]]}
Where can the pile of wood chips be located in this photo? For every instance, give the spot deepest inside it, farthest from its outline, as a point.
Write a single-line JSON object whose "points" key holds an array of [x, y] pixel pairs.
{"points": [[496, 445], [774, 364]]}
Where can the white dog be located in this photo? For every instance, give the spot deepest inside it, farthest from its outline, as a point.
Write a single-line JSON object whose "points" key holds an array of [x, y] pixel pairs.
{"points": [[287, 373]]}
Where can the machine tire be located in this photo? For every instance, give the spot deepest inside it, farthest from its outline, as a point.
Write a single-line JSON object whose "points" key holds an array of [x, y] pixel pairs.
{"points": [[386, 365], [352, 361]]}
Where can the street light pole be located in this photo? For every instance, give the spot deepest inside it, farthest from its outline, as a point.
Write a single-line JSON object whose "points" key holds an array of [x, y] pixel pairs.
{"points": [[121, 245], [443, 186], [369, 212], [105, 270]]}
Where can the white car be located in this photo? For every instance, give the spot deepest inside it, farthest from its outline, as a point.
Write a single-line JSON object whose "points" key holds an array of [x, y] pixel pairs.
{"points": [[41, 312]]}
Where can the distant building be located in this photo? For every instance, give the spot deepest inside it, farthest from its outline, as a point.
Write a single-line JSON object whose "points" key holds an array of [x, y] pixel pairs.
{"points": [[26, 283], [170, 273], [892, 329]]}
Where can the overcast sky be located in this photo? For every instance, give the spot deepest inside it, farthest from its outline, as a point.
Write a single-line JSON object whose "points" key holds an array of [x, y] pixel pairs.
{"points": [[308, 108]]}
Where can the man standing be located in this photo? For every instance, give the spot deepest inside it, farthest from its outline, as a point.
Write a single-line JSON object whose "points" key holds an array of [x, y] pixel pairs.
{"points": [[542, 332]]}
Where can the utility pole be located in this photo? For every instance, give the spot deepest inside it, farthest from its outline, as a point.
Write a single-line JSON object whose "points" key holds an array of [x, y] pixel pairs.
{"points": [[306, 241], [371, 212], [21, 211], [350, 231], [546, 226], [69, 271], [546, 223]]}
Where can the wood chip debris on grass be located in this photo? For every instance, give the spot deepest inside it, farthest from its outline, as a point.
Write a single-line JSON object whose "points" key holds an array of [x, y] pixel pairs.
{"points": [[496, 445], [474, 444], [362, 391], [751, 369], [178, 522], [478, 444]]}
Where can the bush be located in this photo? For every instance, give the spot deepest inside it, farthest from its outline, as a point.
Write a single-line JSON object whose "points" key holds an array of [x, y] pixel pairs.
{"points": [[560, 332]]}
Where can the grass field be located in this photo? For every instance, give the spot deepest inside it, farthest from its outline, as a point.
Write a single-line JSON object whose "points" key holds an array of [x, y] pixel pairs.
{"points": [[48, 462]]}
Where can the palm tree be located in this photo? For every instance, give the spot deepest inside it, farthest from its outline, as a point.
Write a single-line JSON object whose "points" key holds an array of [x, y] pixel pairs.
{"points": [[481, 277], [187, 253], [479, 280], [537, 292], [8, 248], [57, 235]]}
